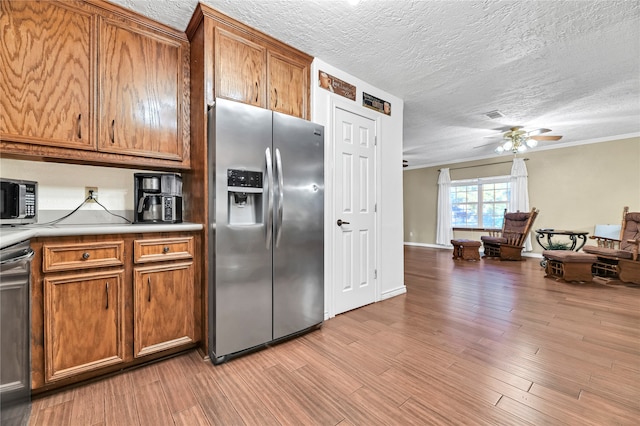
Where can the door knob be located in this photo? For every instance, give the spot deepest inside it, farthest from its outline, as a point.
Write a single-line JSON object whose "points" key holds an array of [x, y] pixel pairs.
{"points": [[340, 222]]}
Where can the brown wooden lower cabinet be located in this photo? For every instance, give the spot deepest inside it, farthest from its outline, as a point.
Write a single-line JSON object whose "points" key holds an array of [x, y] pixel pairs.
{"points": [[101, 310], [163, 307], [84, 323]]}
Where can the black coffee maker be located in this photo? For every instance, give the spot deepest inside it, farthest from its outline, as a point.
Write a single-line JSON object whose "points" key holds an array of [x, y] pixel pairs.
{"points": [[158, 197]]}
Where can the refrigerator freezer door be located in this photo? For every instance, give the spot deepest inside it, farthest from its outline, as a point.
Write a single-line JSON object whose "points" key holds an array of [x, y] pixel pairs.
{"points": [[240, 293], [298, 268]]}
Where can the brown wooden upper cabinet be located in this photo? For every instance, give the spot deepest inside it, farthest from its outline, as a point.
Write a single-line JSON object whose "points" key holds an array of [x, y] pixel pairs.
{"points": [[241, 68], [92, 82], [240, 63], [288, 82], [140, 79], [46, 75]]}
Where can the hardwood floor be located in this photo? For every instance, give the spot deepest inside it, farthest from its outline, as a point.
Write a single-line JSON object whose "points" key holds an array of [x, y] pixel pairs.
{"points": [[480, 343]]}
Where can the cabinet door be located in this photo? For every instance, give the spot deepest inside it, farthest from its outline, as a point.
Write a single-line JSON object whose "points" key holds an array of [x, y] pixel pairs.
{"points": [[288, 85], [84, 323], [163, 307], [46, 74], [140, 93], [240, 69]]}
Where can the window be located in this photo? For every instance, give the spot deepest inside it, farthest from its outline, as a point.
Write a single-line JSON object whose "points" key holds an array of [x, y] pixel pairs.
{"points": [[479, 203]]}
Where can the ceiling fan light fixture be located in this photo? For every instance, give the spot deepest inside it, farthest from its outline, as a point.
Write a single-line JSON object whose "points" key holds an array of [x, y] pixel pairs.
{"points": [[518, 140]]}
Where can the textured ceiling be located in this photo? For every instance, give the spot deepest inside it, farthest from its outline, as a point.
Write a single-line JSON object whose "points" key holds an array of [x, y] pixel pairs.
{"points": [[570, 66]]}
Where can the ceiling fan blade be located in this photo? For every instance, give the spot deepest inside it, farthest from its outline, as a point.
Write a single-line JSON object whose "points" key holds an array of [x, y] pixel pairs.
{"points": [[486, 144], [546, 138], [501, 132], [538, 132], [495, 135]]}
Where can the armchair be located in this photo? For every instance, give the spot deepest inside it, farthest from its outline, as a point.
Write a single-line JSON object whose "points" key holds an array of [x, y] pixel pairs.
{"points": [[508, 243], [618, 258]]}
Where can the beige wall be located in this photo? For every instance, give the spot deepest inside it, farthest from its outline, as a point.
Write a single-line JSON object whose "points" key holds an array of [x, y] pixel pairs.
{"points": [[574, 188]]}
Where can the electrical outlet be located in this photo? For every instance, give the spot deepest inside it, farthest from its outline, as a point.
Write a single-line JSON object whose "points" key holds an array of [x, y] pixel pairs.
{"points": [[91, 191]]}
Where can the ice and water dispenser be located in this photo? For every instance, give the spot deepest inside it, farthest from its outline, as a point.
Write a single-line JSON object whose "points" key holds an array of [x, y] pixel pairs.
{"points": [[244, 197]]}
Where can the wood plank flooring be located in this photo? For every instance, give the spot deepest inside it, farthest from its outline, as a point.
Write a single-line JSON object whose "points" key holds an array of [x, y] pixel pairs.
{"points": [[478, 343]]}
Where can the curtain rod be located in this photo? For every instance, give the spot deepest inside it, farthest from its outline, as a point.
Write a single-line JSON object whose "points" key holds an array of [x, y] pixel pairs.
{"points": [[482, 165]]}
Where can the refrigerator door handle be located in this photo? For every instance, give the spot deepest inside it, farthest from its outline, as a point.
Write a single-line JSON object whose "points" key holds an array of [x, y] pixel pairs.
{"points": [[267, 157], [280, 173]]}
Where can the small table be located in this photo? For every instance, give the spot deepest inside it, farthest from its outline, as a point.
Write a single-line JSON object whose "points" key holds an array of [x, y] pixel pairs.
{"points": [[574, 236]]}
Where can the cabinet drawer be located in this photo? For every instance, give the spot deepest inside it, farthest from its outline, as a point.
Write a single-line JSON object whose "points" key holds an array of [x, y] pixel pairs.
{"points": [[63, 257], [162, 249]]}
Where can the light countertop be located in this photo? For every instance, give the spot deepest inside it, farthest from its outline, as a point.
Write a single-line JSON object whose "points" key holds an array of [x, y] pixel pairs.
{"points": [[14, 234]]}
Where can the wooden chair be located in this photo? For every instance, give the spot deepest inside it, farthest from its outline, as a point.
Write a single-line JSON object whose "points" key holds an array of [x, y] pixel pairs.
{"points": [[508, 243], [618, 258]]}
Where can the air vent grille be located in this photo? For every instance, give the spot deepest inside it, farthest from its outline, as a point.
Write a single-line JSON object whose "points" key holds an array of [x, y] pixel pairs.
{"points": [[494, 114]]}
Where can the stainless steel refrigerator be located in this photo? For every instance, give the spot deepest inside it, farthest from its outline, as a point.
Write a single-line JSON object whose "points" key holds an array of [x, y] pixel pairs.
{"points": [[266, 242]]}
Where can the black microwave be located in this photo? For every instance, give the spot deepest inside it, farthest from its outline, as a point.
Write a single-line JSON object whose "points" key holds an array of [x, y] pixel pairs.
{"points": [[18, 201]]}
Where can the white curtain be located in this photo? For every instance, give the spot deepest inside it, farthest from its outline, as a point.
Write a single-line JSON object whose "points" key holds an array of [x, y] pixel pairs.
{"points": [[444, 233], [519, 192]]}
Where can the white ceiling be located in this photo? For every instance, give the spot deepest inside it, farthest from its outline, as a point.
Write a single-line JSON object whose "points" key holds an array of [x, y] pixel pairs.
{"points": [[569, 66]]}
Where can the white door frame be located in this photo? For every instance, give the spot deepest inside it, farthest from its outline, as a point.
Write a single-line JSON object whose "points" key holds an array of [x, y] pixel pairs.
{"points": [[330, 203]]}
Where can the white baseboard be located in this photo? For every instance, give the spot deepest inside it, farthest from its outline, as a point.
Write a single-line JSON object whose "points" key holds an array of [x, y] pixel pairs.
{"points": [[438, 246], [394, 292], [532, 254]]}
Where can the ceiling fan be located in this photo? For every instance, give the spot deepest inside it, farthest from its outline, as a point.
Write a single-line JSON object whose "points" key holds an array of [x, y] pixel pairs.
{"points": [[516, 139]]}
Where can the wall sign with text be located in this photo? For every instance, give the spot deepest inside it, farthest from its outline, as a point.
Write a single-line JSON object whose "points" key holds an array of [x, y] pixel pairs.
{"points": [[337, 86], [377, 104]]}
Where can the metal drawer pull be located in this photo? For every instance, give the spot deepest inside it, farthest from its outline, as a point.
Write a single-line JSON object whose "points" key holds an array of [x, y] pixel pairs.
{"points": [[112, 136], [149, 289], [165, 249], [107, 290], [79, 126], [85, 255]]}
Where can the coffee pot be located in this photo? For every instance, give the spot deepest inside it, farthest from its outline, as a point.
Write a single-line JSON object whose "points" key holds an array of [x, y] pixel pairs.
{"points": [[151, 208]]}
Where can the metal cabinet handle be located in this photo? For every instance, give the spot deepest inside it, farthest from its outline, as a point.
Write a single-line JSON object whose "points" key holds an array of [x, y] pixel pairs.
{"points": [[340, 222], [86, 255], [107, 291], [149, 289], [257, 90], [165, 249], [113, 131], [79, 126], [276, 92]]}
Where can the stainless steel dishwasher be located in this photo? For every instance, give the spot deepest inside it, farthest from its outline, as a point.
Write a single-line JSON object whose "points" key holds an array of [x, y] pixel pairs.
{"points": [[15, 328]]}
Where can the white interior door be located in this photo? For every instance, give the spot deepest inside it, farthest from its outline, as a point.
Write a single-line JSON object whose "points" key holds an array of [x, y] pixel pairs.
{"points": [[355, 205]]}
